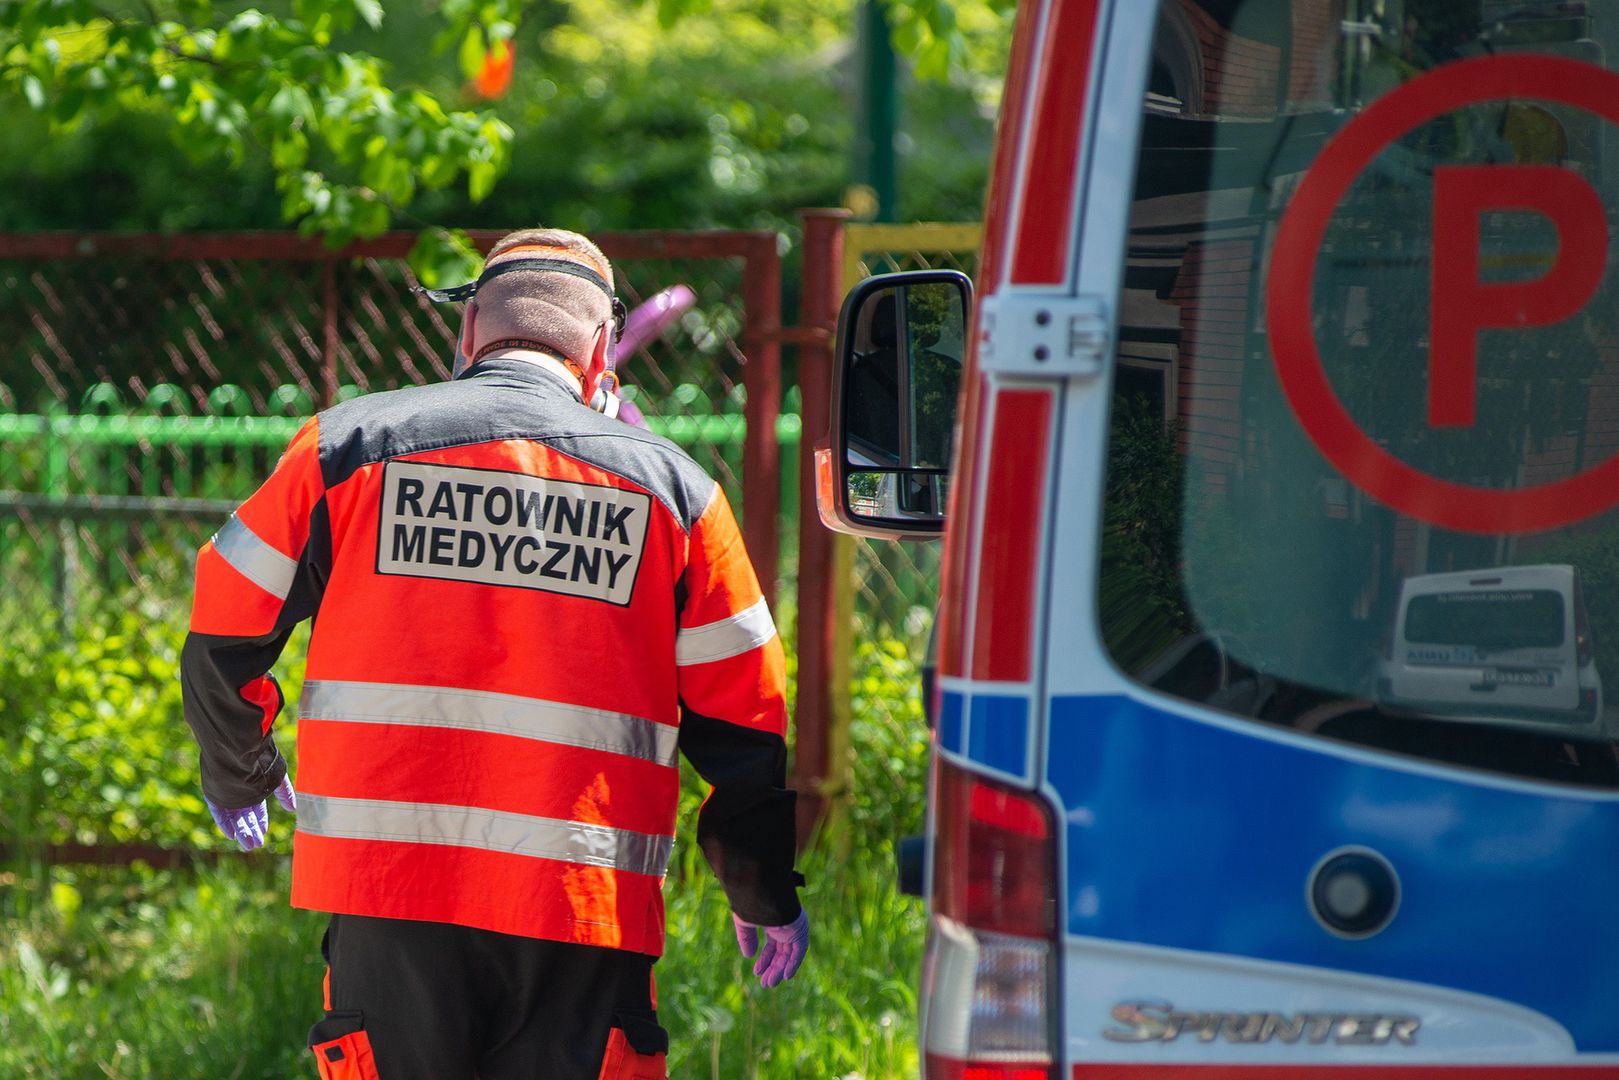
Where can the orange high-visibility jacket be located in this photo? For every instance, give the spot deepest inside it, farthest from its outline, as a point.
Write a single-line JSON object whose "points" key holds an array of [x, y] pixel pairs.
{"points": [[522, 610]]}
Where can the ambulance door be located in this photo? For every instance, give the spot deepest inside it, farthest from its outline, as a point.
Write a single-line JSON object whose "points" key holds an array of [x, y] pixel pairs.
{"points": [[1341, 308]]}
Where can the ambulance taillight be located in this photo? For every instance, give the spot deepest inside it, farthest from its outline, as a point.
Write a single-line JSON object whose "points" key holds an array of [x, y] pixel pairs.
{"points": [[989, 977]]}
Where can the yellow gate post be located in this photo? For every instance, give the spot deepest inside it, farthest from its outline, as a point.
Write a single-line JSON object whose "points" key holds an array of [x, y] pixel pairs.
{"points": [[871, 249]]}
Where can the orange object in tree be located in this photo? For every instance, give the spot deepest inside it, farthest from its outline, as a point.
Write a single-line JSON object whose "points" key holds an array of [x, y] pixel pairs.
{"points": [[495, 76]]}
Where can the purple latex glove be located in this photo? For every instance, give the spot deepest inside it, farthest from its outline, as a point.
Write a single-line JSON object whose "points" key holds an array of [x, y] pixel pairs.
{"points": [[250, 825], [783, 950]]}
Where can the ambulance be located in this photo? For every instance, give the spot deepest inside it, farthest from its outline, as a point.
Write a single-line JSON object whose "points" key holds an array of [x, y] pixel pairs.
{"points": [[1284, 309]]}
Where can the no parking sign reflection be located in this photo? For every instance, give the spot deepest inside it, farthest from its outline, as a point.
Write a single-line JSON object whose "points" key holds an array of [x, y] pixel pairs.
{"points": [[1461, 304]]}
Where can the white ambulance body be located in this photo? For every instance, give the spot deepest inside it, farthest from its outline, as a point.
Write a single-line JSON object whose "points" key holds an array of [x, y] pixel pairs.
{"points": [[1282, 305]]}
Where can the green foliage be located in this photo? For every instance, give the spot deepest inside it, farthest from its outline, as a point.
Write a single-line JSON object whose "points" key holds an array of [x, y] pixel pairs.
{"points": [[734, 114], [943, 36], [93, 745], [444, 257], [851, 1010], [940, 36], [161, 976], [348, 150], [889, 742]]}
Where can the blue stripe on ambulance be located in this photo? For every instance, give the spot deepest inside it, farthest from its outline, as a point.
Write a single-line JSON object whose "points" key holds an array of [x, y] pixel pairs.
{"points": [[990, 730], [1155, 803]]}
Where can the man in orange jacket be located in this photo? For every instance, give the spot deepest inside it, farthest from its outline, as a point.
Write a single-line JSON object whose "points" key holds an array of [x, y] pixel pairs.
{"points": [[485, 809]]}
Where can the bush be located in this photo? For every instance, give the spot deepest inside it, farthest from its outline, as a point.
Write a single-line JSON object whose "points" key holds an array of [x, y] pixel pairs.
{"points": [[95, 747]]}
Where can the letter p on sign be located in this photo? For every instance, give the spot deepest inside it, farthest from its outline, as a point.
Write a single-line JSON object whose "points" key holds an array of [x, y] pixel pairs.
{"points": [[1462, 305]]}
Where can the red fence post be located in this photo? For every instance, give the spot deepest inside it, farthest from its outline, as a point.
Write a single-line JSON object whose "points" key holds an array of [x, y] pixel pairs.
{"points": [[328, 351], [817, 555], [761, 378]]}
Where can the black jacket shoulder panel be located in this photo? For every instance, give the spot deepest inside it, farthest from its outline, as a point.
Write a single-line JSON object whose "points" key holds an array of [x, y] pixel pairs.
{"points": [[645, 459], [500, 400]]}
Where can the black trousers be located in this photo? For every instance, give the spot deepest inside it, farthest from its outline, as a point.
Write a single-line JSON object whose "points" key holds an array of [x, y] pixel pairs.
{"points": [[442, 1002]]}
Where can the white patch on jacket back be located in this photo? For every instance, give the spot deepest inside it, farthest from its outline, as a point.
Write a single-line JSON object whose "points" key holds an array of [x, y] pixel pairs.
{"points": [[504, 528]]}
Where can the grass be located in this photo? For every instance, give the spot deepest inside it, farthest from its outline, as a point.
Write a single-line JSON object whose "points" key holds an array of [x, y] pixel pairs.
{"points": [[209, 974], [127, 974], [135, 974]]}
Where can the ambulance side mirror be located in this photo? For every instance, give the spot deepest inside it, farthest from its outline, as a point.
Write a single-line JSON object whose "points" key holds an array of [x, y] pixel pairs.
{"points": [[902, 339]]}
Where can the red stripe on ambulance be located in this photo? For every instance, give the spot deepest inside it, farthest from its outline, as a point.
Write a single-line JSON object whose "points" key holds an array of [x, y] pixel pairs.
{"points": [[1008, 144], [958, 539], [1003, 632], [1051, 165]]}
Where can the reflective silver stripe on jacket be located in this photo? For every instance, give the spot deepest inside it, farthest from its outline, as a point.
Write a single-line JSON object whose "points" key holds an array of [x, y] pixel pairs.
{"points": [[255, 559], [483, 710], [742, 632], [491, 830]]}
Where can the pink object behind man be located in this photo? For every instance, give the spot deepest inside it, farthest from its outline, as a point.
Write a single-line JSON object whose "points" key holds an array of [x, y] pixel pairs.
{"points": [[650, 319], [644, 325]]}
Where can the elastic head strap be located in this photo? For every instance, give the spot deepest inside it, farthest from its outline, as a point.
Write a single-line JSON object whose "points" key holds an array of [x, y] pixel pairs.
{"points": [[552, 250], [560, 266], [466, 292]]}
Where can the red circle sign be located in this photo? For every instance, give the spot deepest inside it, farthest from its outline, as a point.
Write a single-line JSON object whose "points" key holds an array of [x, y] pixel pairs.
{"points": [[1462, 507]]}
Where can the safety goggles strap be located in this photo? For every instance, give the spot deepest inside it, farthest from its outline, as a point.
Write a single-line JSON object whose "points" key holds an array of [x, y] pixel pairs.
{"points": [[461, 293], [561, 266]]}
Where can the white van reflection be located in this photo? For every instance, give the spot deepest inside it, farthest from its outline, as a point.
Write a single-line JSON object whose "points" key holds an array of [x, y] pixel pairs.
{"points": [[1509, 645]]}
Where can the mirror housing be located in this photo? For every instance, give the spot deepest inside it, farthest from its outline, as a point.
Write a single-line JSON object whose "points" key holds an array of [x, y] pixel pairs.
{"points": [[901, 347]]}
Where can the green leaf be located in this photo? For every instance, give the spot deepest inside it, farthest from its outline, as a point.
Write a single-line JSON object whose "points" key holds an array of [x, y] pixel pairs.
{"points": [[370, 11], [436, 170], [672, 11], [68, 105], [290, 104], [471, 54], [933, 61], [481, 177], [369, 218], [907, 36], [444, 257], [289, 151]]}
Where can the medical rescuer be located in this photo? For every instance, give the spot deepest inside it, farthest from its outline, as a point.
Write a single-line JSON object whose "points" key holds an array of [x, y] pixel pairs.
{"points": [[524, 609]]}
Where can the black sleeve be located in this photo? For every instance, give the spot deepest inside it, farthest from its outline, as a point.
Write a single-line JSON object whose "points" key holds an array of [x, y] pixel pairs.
{"points": [[746, 825], [240, 762], [228, 714]]}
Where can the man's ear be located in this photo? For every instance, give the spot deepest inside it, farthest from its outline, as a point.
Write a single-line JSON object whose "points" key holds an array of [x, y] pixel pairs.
{"points": [[469, 319], [598, 361]]}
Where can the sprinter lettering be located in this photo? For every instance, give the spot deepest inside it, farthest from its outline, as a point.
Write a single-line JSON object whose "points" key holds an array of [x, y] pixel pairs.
{"points": [[511, 529], [1157, 1021]]}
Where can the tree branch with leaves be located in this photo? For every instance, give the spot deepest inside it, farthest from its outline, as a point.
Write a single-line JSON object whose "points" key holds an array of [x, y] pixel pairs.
{"points": [[350, 152]]}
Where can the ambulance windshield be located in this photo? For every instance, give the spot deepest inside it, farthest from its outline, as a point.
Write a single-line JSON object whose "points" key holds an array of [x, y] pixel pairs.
{"points": [[1364, 452]]}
